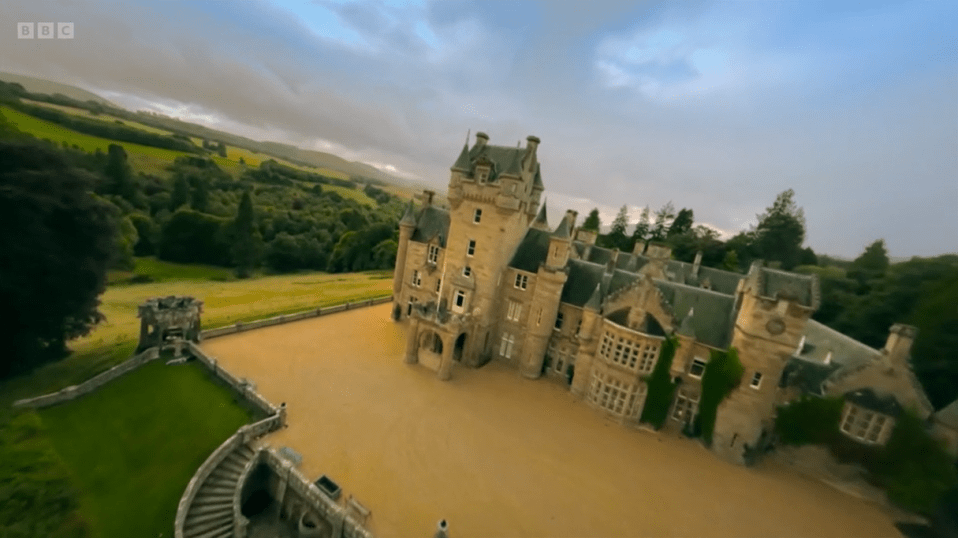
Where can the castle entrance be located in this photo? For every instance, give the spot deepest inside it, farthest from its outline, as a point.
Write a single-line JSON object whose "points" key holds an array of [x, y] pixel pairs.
{"points": [[457, 349], [430, 349]]}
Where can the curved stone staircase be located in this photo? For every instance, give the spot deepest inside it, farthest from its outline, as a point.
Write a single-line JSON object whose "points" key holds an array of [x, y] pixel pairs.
{"points": [[211, 513]]}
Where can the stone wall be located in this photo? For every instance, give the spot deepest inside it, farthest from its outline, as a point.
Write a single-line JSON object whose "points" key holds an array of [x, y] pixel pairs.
{"points": [[242, 387], [287, 318], [343, 523], [90, 385]]}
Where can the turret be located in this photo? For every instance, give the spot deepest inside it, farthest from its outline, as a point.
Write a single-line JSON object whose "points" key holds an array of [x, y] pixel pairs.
{"points": [[560, 242], [406, 227], [898, 346], [542, 221]]}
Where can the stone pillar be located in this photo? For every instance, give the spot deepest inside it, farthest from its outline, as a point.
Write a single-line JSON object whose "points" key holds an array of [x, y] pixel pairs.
{"points": [[412, 341], [282, 415], [445, 364], [145, 341], [336, 518], [177, 348]]}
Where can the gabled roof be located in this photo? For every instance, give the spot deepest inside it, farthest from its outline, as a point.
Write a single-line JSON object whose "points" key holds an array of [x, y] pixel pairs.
{"points": [[846, 351], [713, 319], [433, 222], [532, 250], [583, 278], [501, 158]]}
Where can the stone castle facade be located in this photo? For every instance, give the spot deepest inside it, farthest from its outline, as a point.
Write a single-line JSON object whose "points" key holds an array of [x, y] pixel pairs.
{"points": [[488, 278]]}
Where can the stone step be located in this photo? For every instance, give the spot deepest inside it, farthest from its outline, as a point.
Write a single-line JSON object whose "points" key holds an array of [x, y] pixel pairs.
{"points": [[247, 451], [199, 509], [225, 490], [222, 472], [207, 523], [230, 465], [212, 498], [227, 482], [220, 532]]}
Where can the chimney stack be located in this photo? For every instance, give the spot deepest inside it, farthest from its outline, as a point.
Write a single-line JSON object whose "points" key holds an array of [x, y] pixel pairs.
{"points": [[481, 139], [427, 197], [571, 215], [898, 346], [697, 263]]}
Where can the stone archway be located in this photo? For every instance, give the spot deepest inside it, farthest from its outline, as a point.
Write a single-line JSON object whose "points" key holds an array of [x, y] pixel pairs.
{"points": [[458, 348]]}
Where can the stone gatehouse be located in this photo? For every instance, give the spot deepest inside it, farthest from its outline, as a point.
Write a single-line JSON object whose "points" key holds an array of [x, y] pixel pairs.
{"points": [[489, 278]]}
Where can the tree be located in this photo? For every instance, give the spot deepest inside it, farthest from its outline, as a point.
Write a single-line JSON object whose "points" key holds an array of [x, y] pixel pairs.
{"points": [[663, 219], [56, 241], [147, 233], [682, 223], [200, 196], [247, 243], [730, 263], [617, 238], [780, 231], [181, 192], [871, 264], [119, 175], [592, 222], [193, 237], [642, 228]]}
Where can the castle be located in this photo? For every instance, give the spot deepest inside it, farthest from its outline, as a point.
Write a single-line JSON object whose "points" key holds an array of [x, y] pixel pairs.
{"points": [[490, 279]]}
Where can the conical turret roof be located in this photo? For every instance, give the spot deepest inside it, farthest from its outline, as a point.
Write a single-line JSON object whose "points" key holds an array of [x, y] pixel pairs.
{"points": [[463, 162], [564, 230], [542, 221], [409, 217], [686, 328], [595, 300]]}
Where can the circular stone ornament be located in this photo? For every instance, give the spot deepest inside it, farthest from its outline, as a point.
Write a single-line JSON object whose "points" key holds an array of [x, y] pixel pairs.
{"points": [[775, 326]]}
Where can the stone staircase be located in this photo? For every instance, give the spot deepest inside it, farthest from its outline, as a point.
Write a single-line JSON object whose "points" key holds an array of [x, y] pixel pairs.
{"points": [[211, 513]]}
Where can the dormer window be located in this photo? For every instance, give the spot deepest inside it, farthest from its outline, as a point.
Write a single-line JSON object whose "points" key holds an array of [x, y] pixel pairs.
{"points": [[433, 255], [477, 216]]}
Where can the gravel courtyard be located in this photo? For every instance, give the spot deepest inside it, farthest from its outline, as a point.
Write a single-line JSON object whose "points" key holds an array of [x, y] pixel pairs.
{"points": [[501, 456]]}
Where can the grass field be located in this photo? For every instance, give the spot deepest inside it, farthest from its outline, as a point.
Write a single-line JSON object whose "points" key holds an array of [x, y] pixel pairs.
{"points": [[162, 271], [106, 118], [133, 445], [142, 158]]}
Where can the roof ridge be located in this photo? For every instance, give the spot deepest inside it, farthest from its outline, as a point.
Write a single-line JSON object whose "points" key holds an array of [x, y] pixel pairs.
{"points": [[845, 337]]}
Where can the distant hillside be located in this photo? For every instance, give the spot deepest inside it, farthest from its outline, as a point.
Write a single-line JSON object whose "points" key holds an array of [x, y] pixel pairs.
{"points": [[38, 85], [284, 151]]}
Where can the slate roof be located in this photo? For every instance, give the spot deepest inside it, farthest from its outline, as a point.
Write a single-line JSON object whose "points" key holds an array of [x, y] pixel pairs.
{"points": [[532, 251], [537, 180], [503, 159], [948, 415], [846, 351], [541, 217], [722, 281], [776, 282], [583, 278], [409, 216], [432, 222], [713, 318], [564, 229]]}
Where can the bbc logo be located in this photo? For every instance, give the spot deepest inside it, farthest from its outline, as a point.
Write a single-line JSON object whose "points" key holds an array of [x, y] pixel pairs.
{"points": [[45, 30]]}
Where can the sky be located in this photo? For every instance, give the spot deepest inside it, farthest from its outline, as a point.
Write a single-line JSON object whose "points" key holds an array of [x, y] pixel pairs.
{"points": [[714, 106]]}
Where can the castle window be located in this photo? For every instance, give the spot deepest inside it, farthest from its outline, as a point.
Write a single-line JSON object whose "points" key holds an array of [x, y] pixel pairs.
{"points": [[438, 284], [467, 271], [697, 368], [477, 216], [412, 302], [578, 327], [539, 317], [515, 310], [756, 380], [460, 301], [649, 354], [606, 345], [864, 425], [505, 348], [558, 325], [614, 395], [416, 278], [686, 407], [522, 281], [433, 255], [471, 249]]}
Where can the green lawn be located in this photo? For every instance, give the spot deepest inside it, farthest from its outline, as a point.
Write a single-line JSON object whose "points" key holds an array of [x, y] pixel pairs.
{"points": [[99, 117], [133, 445], [161, 271]]}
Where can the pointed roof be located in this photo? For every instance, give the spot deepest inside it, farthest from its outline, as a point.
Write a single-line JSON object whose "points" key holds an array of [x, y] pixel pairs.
{"points": [[595, 301], [537, 181], [463, 162], [564, 230], [542, 221], [409, 217], [513, 168]]}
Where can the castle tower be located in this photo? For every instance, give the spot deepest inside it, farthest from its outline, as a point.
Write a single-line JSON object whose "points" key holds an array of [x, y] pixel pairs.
{"points": [[406, 226], [588, 340], [550, 280], [494, 194], [773, 308]]}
